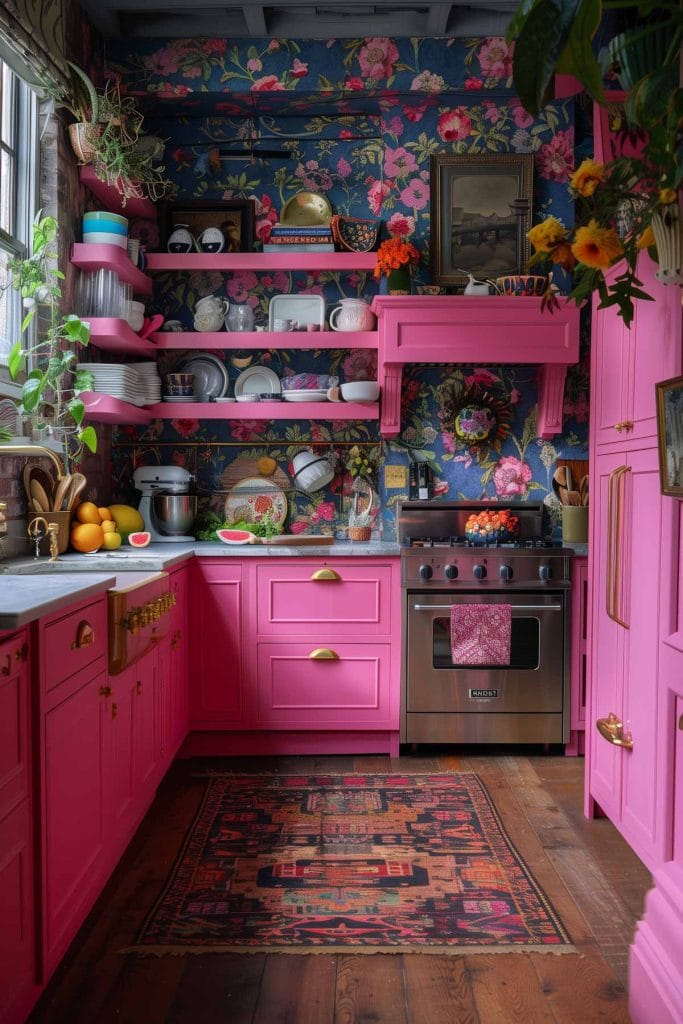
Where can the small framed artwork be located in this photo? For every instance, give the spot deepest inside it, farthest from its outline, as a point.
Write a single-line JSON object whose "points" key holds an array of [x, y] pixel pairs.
{"points": [[670, 434], [480, 214], [234, 219]]}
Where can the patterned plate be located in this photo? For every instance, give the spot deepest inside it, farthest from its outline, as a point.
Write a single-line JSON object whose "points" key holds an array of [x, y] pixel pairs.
{"points": [[254, 498]]}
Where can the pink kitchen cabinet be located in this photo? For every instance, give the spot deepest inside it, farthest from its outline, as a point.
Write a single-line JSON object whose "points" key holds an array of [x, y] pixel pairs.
{"points": [[218, 609], [173, 673], [17, 934], [579, 655]]}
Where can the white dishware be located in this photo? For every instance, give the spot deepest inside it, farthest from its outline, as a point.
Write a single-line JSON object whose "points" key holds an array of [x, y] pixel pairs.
{"points": [[302, 309], [254, 499], [257, 380], [181, 240], [306, 395], [360, 391], [136, 315], [212, 240], [352, 315], [211, 378], [208, 323], [280, 324], [172, 327], [311, 472], [240, 318]]}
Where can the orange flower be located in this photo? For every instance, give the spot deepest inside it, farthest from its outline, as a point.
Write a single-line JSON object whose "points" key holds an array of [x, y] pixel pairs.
{"points": [[563, 255], [667, 196], [596, 247], [646, 238], [394, 253], [586, 178], [547, 234]]}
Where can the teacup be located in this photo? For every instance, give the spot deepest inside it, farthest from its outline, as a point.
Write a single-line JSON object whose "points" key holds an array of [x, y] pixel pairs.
{"points": [[174, 326], [208, 323], [211, 305], [280, 324]]}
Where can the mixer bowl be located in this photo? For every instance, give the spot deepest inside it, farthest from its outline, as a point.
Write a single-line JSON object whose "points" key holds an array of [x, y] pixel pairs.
{"points": [[174, 514]]}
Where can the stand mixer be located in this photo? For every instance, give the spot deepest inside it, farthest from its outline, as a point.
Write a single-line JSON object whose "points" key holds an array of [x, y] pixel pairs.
{"points": [[167, 505]]}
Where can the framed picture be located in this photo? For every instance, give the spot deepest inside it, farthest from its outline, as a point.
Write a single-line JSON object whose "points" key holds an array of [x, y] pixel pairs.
{"points": [[234, 217], [670, 434], [480, 214]]}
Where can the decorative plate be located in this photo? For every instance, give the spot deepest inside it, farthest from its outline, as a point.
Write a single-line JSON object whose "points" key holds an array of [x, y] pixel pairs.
{"points": [[257, 380], [211, 378], [254, 498], [306, 395], [306, 208]]}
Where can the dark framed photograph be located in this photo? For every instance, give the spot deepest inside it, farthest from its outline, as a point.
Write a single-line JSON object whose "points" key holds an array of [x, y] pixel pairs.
{"points": [[233, 218], [670, 435], [480, 214]]}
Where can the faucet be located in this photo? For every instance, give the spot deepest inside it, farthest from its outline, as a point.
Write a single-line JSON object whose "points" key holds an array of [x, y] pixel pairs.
{"points": [[34, 449]]}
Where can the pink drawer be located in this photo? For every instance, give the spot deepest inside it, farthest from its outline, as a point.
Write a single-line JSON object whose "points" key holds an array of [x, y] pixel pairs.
{"points": [[337, 599], [74, 641], [349, 691]]}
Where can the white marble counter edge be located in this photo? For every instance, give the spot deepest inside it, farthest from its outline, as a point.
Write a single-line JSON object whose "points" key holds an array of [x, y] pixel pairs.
{"points": [[27, 598]]}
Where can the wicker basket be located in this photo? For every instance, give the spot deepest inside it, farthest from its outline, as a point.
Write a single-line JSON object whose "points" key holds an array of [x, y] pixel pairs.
{"points": [[83, 137], [354, 234], [360, 532]]}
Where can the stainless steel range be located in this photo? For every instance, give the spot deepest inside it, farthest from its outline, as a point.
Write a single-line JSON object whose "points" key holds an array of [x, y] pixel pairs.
{"points": [[523, 701]]}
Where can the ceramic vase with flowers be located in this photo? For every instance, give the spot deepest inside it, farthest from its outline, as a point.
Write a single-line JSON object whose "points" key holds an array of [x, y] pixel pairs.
{"points": [[395, 257]]}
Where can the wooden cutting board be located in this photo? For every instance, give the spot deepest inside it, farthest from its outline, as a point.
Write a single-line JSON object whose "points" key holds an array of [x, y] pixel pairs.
{"points": [[292, 539]]}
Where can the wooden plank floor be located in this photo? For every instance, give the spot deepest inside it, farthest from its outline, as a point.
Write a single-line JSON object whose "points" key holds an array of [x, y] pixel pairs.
{"points": [[594, 880]]}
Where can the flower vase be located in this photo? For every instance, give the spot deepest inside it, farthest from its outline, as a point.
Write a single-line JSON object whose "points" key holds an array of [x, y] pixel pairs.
{"points": [[666, 227], [398, 281], [361, 516]]}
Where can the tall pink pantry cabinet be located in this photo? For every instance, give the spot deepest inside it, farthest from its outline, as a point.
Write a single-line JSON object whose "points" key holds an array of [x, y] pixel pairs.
{"points": [[635, 726]]}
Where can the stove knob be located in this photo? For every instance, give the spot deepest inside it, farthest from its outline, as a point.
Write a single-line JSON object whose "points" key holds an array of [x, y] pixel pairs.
{"points": [[545, 572], [426, 572], [479, 572], [506, 572], [451, 572]]}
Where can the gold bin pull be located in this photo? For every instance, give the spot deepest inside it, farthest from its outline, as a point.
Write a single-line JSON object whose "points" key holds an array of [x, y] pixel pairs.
{"points": [[323, 654], [85, 636], [612, 730], [325, 574]]}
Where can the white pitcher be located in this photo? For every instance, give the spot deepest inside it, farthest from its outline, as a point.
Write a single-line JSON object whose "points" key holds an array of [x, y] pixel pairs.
{"points": [[352, 315]]}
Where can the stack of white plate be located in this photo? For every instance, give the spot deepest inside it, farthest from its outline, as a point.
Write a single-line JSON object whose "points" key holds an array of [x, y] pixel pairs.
{"points": [[126, 382]]}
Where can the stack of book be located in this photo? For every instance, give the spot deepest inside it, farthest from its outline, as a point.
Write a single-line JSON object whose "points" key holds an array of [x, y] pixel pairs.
{"points": [[300, 238]]}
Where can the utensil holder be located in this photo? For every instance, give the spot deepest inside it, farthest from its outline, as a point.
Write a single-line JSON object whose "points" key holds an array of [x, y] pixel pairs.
{"points": [[360, 533], [63, 520], [575, 524]]}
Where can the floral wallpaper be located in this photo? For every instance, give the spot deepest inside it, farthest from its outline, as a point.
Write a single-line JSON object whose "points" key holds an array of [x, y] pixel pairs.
{"points": [[356, 120]]}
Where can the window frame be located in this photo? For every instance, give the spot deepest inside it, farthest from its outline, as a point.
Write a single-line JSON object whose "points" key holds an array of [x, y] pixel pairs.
{"points": [[26, 154]]}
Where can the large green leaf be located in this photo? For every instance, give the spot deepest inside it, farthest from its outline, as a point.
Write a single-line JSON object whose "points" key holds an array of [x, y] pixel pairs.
{"points": [[516, 24], [15, 360], [578, 58], [31, 392], [540, 43], [88, 437]]}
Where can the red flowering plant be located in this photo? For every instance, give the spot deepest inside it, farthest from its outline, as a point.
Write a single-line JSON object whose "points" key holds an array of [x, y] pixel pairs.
{"points": [[393, 254]]}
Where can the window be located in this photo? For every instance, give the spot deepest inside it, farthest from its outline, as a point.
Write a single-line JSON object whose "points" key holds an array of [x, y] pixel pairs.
{"points": [[18, 187]]}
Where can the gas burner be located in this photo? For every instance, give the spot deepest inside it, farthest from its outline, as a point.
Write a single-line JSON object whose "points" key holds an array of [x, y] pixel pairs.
{"points": [[435, 542]]}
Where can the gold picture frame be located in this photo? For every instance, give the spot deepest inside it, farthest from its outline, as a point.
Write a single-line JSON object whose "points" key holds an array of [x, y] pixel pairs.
{"points": [[480, 215], [670, 435]]}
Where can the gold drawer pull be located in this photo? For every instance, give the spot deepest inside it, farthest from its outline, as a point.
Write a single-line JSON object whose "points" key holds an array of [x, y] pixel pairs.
{"points": [[323, 654], [612, 730], [85, 636], [325, 574], [138, 688], [680, 723], [7, 667], [177, 636], [21, 653], [105, 691]]}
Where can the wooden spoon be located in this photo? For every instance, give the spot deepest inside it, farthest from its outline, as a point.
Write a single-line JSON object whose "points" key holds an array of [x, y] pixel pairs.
{"points": [[583, 490], [41, 502], [61, 493], [573, 498], [78, 482], [560, 484]]}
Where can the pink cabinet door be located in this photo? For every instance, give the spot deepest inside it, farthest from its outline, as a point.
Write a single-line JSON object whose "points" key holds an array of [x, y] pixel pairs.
{"points": [[14, 723], [74, 817], [16, 900], [579, 654], [609, 376], [216, 678], [347, 689], [179, 644]]}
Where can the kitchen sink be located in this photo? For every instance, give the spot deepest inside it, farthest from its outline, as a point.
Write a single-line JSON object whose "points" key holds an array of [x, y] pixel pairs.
{"points": [[35, 567]]}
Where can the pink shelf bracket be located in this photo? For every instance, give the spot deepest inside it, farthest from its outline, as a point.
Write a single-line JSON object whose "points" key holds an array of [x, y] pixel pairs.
{"points": [[551, 377], [390, 421]]}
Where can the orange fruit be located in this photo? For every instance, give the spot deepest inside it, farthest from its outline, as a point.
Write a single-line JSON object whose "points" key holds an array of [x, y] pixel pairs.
{"points": [[104, 514], [108, 525], [111, 541], [87, 537], [87, 513]]}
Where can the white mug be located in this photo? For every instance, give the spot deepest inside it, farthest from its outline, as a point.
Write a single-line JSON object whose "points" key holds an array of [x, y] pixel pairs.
{"points": [[212, 306], [207, 323]]}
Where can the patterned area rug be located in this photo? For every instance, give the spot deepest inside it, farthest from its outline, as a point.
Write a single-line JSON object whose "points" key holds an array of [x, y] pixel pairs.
{"points": [[341, 863]]}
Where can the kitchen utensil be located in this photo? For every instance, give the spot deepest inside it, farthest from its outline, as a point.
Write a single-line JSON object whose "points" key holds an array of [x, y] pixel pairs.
{"points": [[306, 395], [306, 208], [41, 502], [352, 315], [303, 309], [286, 539], [311, 472], [257, 380], [78, 483], [573, 498], [254, 498], [174, 513], [578, 467], [560, 484], [360, 391], [583, 489], [211, 378], [61, 491]]}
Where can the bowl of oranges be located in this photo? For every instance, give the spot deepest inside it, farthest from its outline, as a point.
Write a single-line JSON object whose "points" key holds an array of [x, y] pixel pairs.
{"points": [[491, 526]]}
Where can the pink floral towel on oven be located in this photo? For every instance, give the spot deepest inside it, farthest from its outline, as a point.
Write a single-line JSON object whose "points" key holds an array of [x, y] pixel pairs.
{"points": [[480, 634]]}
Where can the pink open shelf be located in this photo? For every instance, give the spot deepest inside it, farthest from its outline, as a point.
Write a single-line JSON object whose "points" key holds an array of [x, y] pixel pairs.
{"points": [[112, 199], [264, 411], [111, 257], [111, 334], [265, 339], [262, 261], [105, 409]]}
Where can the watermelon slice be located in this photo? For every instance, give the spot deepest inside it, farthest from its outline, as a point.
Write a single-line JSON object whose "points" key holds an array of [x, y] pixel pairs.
{"points": [[237, 536]]}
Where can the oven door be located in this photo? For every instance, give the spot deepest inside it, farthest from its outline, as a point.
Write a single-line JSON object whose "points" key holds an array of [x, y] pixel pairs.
{"points": [[531, 682]]}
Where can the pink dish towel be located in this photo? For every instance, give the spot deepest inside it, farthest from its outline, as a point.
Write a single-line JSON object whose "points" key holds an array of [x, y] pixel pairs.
{"points": [[480, 634]]}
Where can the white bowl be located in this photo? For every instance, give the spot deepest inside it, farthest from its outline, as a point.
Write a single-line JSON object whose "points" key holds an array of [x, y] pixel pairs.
{"points": [[360, 391], [105, 238]]}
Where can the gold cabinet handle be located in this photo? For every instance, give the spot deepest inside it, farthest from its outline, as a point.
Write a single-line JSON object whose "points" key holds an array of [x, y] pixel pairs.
{"points": [[325, 574], [612, 730], [680, 723], [614, 513], [105, 691], [177, 637], [619, 531], [85, 636], [21, 653], [323, 654], [7, 667]]}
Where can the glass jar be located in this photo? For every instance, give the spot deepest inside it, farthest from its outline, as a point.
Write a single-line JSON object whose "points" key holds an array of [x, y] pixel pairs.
{"points": [[240, 318]]}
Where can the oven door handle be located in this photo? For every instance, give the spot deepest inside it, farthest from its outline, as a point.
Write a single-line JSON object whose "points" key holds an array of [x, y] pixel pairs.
{"points": [[515, 607]]}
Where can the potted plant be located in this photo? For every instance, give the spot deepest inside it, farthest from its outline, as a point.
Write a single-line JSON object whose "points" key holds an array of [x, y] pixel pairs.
{"points": [[633, 202], [50, 342], [108, 132]]}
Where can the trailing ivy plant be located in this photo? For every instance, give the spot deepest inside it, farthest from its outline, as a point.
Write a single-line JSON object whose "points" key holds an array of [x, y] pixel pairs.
{"points": [[49, 343]]}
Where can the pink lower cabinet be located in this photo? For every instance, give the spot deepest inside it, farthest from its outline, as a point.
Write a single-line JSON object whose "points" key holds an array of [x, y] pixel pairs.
{"points": [[17, 954], [343, 687], [216, 617], [579, 653]]}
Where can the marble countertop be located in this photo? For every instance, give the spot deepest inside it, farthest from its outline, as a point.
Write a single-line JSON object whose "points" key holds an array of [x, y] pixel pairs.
{"points": [[26, 598]]}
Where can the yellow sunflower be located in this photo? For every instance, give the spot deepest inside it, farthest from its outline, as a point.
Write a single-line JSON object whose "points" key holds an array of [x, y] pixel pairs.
{"points": [[596, 247], [547, 234], [646, 238], [586, 178]]}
